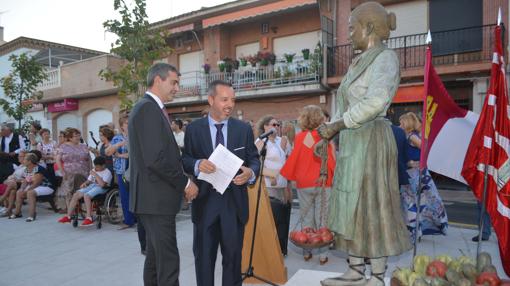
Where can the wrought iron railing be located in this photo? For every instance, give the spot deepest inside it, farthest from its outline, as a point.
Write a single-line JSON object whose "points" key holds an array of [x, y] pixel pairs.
{"points": [[249, 78], [467, 45], [52, 79]]}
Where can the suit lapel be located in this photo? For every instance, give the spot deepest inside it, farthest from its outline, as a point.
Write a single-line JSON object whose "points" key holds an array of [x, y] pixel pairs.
{"points": [[231, 136], [206, 135], [163, 117]]}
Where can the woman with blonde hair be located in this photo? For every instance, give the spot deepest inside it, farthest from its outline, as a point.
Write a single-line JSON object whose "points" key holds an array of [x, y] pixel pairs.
{"points": [[433, 218], [304, 167]]}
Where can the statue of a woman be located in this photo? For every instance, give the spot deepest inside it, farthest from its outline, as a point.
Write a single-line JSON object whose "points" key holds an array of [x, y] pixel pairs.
{"points": [[364, 208]]}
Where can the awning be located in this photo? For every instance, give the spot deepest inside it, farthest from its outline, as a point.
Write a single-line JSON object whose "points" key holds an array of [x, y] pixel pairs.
{"points": [[180, 29], [406, 94], [255, 12]]}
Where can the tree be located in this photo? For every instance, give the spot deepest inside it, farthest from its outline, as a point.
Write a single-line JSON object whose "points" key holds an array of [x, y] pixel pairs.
{"points": [[139, 45], [20, 86]]}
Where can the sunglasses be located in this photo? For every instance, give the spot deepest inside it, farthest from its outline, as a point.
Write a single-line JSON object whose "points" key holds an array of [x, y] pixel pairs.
{"points": [[276, 125]]}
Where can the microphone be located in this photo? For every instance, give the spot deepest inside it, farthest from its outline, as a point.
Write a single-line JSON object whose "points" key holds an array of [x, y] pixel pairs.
{"points": [[267, 134]]}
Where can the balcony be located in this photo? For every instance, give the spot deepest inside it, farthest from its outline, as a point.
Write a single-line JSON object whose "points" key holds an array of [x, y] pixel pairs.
{"points": [[79, 79], [52, 80], [453, 47], [246, 79]]}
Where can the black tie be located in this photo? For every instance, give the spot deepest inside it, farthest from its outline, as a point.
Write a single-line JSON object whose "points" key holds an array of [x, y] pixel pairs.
{"points": [[3, 144], [219, 135]]}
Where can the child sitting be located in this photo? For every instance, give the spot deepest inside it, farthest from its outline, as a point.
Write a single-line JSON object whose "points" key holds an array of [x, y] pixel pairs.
{"points": [[96, 184]]}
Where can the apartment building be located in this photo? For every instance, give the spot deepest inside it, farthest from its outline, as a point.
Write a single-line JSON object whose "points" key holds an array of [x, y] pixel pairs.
{"points": [[462, 43], [283, 78], [53, 57]]}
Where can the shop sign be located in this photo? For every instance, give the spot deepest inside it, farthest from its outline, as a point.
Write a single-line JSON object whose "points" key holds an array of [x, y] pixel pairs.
{"points": [[68, 104]]}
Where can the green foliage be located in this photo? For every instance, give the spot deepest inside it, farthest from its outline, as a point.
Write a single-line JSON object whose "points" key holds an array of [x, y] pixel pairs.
{"points": [[20, 86], [138, 45], [316, 59]]}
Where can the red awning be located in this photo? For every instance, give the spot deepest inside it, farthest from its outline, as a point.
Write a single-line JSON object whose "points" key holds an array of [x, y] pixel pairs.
{"points": [[255, 12], [406, 94]]}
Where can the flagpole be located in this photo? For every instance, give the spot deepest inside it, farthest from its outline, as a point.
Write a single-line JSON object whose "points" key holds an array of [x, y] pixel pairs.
{"points": [[425, 142], [482, 213], [484, 194]]}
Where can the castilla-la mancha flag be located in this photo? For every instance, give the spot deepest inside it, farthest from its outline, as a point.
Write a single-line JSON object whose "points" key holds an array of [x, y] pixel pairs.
{"points": [[490, 148], [447, 128]]}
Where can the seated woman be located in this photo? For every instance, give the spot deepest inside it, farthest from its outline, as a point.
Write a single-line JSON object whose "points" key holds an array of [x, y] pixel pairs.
{"points": [[96, 184], [12, 183], [35, 183]]}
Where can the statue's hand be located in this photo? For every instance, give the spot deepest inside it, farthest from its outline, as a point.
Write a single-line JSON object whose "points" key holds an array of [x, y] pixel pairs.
{"points": [[329, 130]]}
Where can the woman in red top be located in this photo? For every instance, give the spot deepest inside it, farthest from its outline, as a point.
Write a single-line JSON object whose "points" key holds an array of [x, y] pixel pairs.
{"points": [[303, 167]]}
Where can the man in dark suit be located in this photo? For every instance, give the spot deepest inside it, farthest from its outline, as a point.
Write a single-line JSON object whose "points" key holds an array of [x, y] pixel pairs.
{"points": [[157, 181], [218, 219]]}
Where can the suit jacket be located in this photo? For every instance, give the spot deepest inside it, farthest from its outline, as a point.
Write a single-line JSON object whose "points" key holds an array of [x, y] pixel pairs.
{"points": [[198, 145], [157, 180]]}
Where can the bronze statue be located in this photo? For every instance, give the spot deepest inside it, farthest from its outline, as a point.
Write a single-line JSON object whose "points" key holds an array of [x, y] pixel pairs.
{"points": [[364, 208]]}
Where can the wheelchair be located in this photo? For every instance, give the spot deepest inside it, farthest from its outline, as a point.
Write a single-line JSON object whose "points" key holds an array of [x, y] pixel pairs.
{"points": [[107, 204]]}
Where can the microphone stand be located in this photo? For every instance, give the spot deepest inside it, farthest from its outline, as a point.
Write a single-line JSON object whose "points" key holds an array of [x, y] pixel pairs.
{"points": [[250, 271]]}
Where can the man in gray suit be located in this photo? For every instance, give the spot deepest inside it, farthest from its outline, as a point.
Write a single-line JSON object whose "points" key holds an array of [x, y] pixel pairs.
{"points": [[157, 180]]}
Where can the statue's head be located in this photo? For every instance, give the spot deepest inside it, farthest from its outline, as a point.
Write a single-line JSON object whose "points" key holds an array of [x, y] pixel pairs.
{"points": [[370, 22]]}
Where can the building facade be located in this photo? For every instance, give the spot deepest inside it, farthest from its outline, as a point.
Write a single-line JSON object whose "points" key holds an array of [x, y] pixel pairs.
{"points": [[54, 57]]}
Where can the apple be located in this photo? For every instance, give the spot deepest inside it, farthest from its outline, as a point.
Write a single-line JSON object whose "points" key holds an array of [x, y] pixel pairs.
{"points": [[300, 237], [465, 260], [293, 235], [413, 277], [315, 239], [402, 274], [327, 236], [455, 265], [446, 259], [436, 268], [488, 279], [483, 260], [323, 230], [420, 263], [308, 230]]}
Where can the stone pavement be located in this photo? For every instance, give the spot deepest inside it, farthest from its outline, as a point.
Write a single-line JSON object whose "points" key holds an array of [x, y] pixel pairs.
{"points": [[45, 252]]}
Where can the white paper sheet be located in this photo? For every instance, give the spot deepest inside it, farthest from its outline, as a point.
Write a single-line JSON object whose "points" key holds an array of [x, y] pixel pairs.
{"points": [[227, 164]]}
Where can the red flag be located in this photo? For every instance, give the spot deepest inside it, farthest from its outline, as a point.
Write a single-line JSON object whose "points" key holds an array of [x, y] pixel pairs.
{"points": [[490, 147], [438, 109]]}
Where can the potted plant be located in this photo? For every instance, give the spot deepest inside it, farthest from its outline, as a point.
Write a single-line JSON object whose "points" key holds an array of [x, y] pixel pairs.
{"points": [[266, 58], [221, 66], [289, 57], [306, 53], [253, 60], [243, 61], [206, 68], [229, 64]]}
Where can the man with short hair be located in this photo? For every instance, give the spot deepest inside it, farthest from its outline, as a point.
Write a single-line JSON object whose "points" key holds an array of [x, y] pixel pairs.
{"points": [[11, 143], [178, 132], [219, 219], [157, 181]]}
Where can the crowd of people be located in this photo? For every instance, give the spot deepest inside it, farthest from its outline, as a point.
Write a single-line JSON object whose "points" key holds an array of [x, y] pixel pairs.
{"points": [[38, 166]]}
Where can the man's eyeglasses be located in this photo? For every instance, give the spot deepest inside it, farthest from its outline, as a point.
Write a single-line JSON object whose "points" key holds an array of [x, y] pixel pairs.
{"points": [[276, 125]]}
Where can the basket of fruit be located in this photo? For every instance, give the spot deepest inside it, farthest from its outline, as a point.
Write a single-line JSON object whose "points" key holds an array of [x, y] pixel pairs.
{"points": [[309, 238], [444, 270]]}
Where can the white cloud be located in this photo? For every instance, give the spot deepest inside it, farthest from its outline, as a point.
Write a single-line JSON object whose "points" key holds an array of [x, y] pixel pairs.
{"points": [[77, 22]]}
